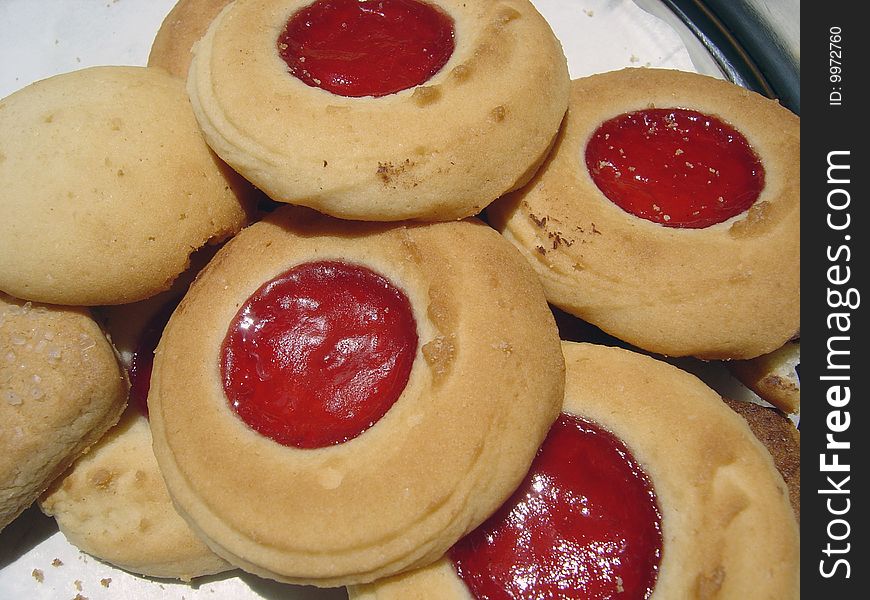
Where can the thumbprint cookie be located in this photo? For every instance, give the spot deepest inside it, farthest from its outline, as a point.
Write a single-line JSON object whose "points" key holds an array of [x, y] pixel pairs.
{"points": [[180, 30], [337, 401], [381, 110], [647, 486], [668, 214], [61, 389], [106, 187], [112, 503]]}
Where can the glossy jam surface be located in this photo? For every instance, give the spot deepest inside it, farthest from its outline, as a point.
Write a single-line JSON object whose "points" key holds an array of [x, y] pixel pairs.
{"points": [[142, 360], [676, 167], [584, 524], [319, 354], [366, 47]]}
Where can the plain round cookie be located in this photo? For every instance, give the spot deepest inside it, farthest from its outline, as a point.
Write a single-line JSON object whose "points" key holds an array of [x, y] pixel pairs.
{"points": [[106, 187], [182, 27], [437, 151], [112, 503], [730, 290], [728, 529], [61, 388], [443, 457]]}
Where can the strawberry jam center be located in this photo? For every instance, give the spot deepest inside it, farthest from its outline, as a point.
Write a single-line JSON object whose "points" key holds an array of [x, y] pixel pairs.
{"points": [[366, 47], [142, 360], [584, 524], [676, 167], [319, 354]]}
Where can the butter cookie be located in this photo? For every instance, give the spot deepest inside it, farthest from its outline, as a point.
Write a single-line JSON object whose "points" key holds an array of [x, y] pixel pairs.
{"points": [[381, 110], [106, 187], [112, 503], [61, 389], [337, 401], [668, 214], [647, 486], [182, 27]]}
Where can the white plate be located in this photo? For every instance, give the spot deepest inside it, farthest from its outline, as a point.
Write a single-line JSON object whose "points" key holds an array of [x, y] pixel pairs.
{"points": [[40, 39]]}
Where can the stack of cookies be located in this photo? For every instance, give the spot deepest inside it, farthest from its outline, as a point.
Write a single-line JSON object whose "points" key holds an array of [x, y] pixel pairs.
{"points": [[285, 301]]}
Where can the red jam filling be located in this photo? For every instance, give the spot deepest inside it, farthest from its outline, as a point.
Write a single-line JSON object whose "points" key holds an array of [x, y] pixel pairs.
{"points": [[319, 354], [366, 47], [142, 360], [676, 167], [583, 525]]}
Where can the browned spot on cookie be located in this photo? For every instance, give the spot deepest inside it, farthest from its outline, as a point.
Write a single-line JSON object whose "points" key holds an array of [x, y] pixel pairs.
{"points": [[507, 14], [102, 479], [67, 484], [756, 221], [425, 95], [439, 354], [140, 477], [461, 73], [440, 310], [412, 251], [498, 113], [709, 584]]}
